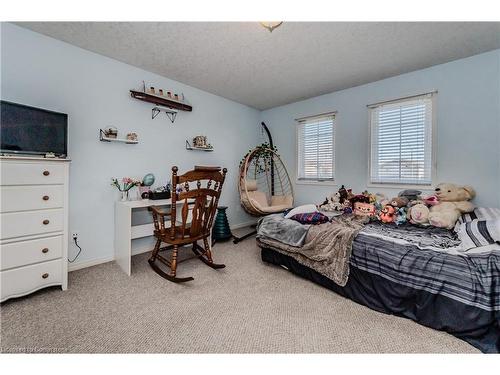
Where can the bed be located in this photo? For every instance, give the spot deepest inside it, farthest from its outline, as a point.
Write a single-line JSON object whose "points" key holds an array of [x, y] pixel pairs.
{"points": [[418, 273]]}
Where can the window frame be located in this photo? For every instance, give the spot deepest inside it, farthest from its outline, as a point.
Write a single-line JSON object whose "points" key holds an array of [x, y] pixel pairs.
{"points": [[327, 182], [432, 95]]}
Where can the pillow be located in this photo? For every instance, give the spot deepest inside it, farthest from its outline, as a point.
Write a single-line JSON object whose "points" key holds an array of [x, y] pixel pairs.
{"points": [[478, 233], [311, 218], [480, 213], [304, 209]]}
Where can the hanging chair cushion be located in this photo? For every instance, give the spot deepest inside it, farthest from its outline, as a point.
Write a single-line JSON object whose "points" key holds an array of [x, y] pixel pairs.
{"points": [[282, 200], [251, 185], [258, 198]]}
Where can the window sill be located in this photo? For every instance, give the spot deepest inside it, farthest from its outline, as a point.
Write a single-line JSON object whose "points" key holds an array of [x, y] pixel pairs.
{"points": [[400, 186], [318, 183]]}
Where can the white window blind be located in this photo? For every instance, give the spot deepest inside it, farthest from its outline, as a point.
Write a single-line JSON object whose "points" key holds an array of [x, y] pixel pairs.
{"points": [[401, 142], [316, 154]]}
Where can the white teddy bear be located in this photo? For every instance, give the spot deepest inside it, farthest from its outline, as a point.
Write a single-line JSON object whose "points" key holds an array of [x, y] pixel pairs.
{"points": [[453, 201]]}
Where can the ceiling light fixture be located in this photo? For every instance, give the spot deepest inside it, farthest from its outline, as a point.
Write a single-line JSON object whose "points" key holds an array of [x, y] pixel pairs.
{"points": [[271, 25]]}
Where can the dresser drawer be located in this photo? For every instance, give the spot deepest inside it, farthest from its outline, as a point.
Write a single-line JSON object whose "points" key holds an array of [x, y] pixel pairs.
{"points": [[32, 173], [27, 223], [16, 254], [24, 280], [24, 198]]}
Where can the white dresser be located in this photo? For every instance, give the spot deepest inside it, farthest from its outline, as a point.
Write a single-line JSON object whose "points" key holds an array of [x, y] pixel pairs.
{"points": [[34, 225]]}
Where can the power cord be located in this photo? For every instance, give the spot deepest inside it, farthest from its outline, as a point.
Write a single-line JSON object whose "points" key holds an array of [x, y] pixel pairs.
{"points": [[79, 251]]}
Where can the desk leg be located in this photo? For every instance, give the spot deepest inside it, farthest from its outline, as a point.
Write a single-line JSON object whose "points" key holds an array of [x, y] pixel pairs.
{"points": [[123, 237]]}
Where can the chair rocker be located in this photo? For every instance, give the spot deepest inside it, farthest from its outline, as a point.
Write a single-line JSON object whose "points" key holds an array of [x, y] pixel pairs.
{"points": [[202, 201]]}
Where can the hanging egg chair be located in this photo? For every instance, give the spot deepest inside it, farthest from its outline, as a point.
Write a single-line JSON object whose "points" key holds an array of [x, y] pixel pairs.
{"points": [[264, 184]]}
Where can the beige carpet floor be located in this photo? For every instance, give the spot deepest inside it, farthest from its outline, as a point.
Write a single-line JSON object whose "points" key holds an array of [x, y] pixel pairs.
{"points": [[248, 307]]}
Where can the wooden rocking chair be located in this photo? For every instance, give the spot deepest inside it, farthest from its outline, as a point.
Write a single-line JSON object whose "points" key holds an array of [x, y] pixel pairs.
{"points": [[203, 203]]}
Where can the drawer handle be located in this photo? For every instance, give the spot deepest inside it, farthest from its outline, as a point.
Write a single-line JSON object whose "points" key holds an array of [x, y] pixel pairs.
{"points": [[45, 275], [46, 222], [46, 173], [45, 250], [45, 197]]}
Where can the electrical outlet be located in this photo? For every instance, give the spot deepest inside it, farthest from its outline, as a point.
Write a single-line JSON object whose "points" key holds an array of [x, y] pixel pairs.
{"points": [[74, 236]]}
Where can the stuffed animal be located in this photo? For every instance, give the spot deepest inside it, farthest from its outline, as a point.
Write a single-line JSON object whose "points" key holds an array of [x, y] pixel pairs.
{"points": [[400, 216], [350, 194], [372, 197], [364, 209], [453, 201], [431, 200], [342, 194], [410, 194], [387, 214], [332, 203], [358, 198], [399, 202], [381, 199], [418, 214]]}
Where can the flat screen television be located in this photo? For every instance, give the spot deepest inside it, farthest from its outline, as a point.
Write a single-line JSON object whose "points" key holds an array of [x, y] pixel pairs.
{"points": [[32, 131]]}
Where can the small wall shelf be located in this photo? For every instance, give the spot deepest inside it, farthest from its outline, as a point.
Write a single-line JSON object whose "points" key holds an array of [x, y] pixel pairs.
{"points": [[189, 147], [160, 100], [103, 138]]}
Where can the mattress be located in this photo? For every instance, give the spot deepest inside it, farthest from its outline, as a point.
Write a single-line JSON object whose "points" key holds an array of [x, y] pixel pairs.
{"points": [[424, 279]]}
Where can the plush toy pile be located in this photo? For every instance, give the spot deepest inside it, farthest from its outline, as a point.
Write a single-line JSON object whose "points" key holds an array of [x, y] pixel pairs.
{"points": [[440, 210]]}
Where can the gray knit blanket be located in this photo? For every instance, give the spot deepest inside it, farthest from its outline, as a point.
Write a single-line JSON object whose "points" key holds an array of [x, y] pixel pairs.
{"points": [[327, 247], [287, 231]]}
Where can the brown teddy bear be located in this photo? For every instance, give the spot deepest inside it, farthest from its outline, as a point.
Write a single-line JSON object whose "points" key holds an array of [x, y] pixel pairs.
{"points": [[399, 202], [453, 201]]}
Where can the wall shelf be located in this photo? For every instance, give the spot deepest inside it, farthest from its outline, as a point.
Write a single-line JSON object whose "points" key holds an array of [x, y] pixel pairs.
{"points": [[103, 138], [160, 100], [189, 147]]}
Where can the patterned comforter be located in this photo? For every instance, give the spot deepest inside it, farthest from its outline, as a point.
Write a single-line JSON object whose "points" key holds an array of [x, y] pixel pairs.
{"points": [[430, 259]]}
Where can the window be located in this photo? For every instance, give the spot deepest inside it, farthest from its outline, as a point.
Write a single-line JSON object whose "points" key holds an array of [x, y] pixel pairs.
{"points": [[315, 143], [401, 141]]}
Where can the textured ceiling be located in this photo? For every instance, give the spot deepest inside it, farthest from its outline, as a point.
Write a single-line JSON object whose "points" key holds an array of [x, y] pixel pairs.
{"points": [[244, 62]]}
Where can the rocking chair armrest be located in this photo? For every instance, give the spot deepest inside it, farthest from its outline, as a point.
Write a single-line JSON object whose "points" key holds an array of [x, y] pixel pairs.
{"points": [[159, 212], [158, 217]]}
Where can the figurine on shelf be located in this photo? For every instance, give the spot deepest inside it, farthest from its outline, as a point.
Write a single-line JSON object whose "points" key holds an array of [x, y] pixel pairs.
{"points": [[160, 92], [132, 137], [200, 141], [111, 132], [151, 90]]}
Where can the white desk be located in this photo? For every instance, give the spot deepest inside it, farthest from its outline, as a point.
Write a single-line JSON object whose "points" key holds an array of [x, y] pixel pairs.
{"points": [[125, 232]]}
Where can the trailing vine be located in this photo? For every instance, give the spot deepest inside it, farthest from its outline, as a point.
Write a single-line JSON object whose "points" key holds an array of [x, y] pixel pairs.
{"points": [[264, 153]]}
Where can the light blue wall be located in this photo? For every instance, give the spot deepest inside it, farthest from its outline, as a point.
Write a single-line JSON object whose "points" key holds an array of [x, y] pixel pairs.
{"points": [[468, 126], [94, 91]]}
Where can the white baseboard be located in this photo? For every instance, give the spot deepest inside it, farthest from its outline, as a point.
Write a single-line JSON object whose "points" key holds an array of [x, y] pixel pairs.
{"points": [[136, 251], [89, 263]]}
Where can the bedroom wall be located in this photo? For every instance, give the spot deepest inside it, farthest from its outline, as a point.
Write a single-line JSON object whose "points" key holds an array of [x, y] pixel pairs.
{"points": [[468, 126], [93, 90]]}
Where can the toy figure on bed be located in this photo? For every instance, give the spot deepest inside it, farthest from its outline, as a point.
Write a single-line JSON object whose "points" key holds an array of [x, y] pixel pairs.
{"points": [[360, 205], [387, 215], [364, 209], [342, 194], [332, 203]]}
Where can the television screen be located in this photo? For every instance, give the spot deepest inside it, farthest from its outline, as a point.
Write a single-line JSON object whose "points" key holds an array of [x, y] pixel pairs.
{"points": [[29, 130]]}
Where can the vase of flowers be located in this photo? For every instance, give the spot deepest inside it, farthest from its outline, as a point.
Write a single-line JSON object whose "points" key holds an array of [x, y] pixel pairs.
{"points": [[126, 184]]}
